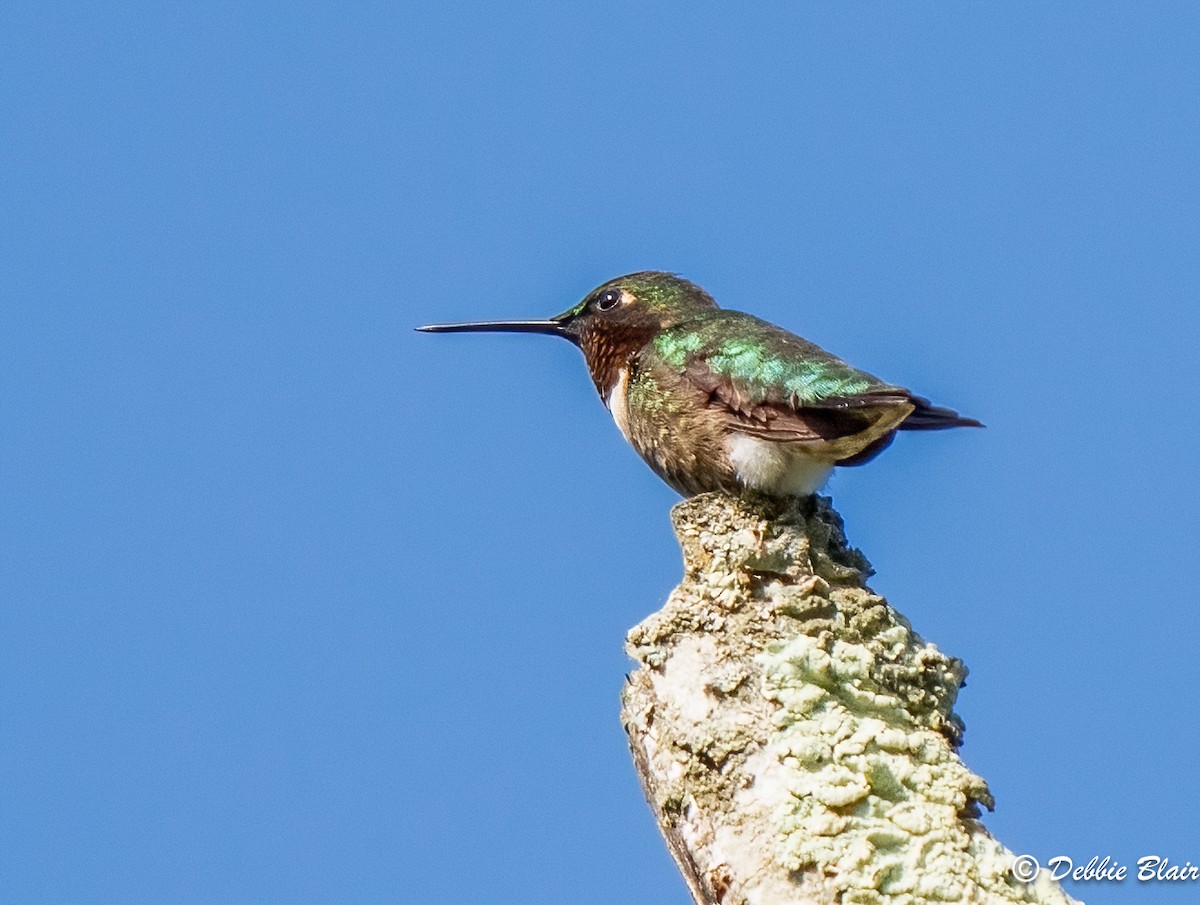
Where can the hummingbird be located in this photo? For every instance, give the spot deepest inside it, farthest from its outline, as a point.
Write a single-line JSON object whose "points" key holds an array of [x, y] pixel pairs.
{"points": [[716, 399]]}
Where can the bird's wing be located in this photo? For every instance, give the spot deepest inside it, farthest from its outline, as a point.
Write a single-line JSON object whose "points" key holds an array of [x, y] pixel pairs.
{"points": [[771, 384]]}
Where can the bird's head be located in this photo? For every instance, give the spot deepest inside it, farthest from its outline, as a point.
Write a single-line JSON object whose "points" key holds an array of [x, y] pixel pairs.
{"points": [[612, 321]]}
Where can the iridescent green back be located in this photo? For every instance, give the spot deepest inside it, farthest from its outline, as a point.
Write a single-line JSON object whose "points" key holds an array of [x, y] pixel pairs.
{"points": [[766, 362]]}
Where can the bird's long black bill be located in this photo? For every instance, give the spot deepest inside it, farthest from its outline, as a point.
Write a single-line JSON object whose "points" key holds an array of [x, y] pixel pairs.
{"points": [[553, 328]]}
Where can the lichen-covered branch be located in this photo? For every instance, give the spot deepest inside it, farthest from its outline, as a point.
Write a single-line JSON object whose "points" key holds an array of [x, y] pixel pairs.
{"points": [[794, 736]]}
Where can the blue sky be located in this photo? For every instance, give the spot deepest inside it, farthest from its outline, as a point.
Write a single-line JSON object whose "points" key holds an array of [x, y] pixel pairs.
{"points": [[301, 606]]}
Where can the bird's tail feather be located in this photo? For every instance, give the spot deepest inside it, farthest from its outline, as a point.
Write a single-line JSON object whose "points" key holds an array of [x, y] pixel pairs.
{"points": [[930, 417]]}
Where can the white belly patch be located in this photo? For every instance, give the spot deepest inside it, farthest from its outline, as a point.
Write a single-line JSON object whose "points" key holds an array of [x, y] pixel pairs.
{"points": [[775, 468], [616, 402]]}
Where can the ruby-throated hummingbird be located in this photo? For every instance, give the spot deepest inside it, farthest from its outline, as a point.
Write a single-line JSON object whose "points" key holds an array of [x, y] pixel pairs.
{"points": [[721, 400]]}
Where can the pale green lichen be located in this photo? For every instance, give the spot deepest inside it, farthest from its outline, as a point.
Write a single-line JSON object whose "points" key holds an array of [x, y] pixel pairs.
{"points": [[796, 737], [873, 769]]}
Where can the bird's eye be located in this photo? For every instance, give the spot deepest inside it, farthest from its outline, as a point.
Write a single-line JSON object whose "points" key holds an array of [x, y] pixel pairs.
{"points": [[608, 300]]}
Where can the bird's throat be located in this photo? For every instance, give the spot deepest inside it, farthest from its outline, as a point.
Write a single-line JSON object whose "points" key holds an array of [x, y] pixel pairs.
{"points": [[610, 350]]}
